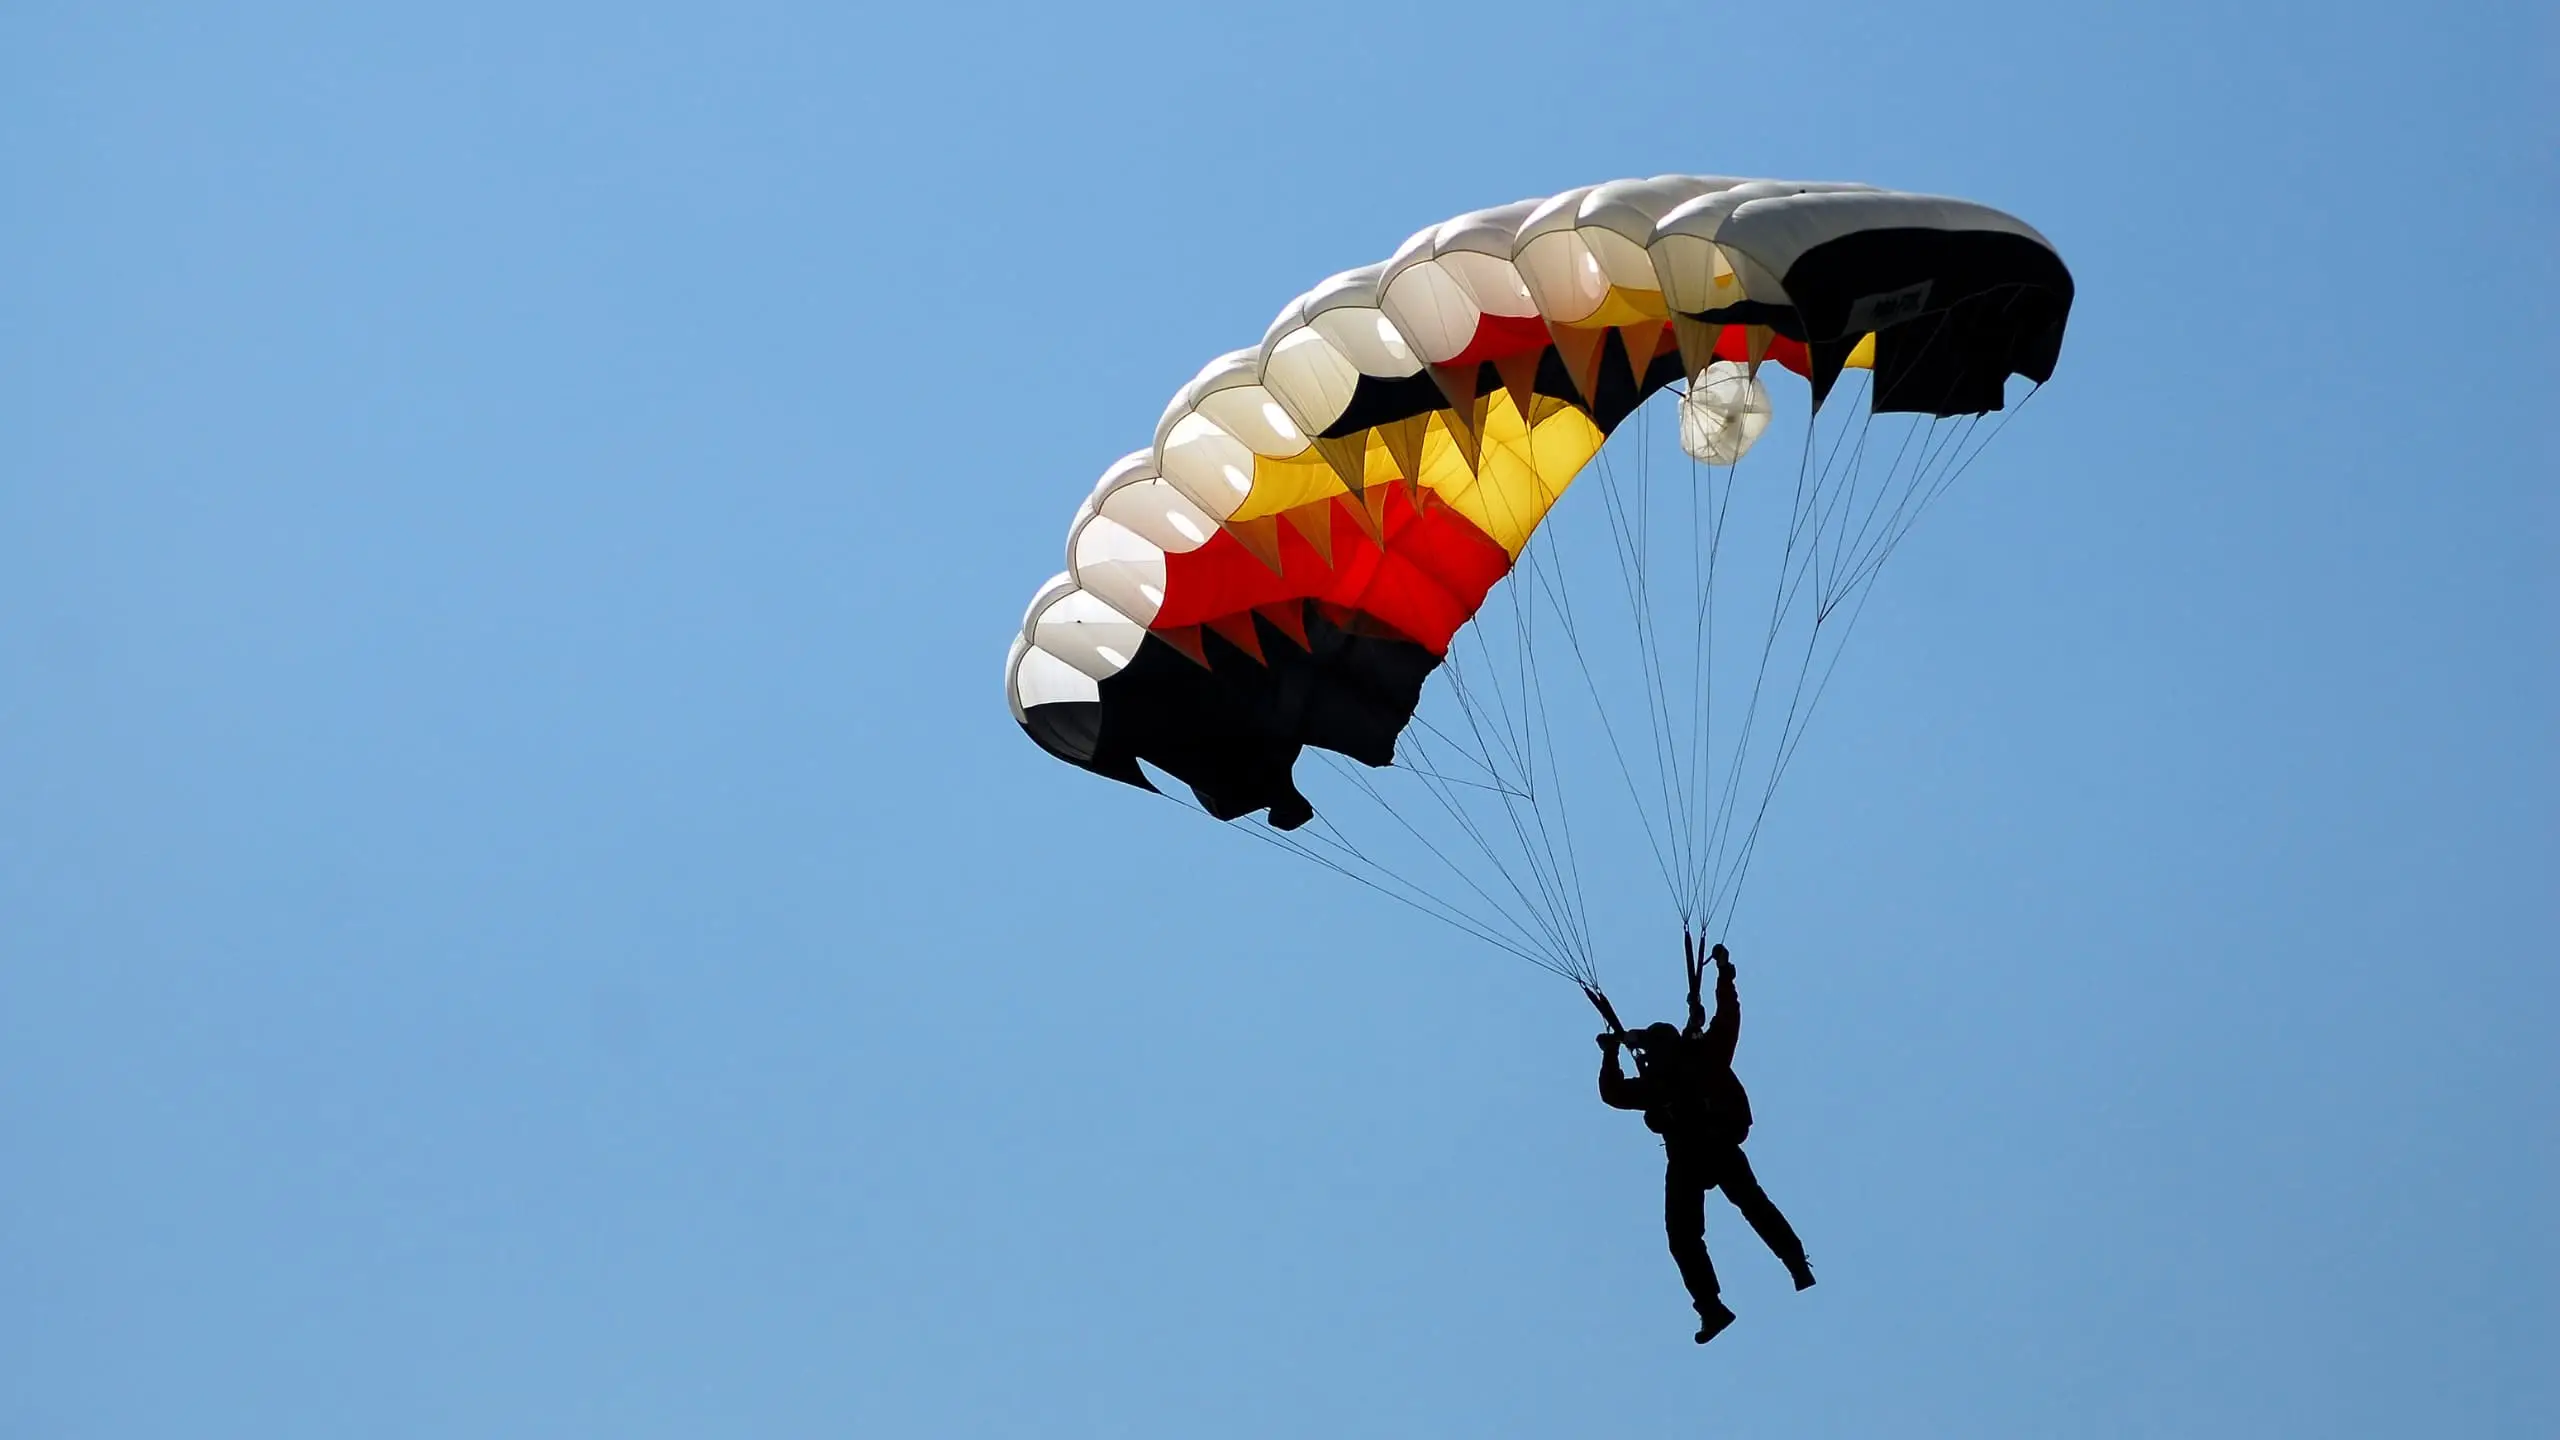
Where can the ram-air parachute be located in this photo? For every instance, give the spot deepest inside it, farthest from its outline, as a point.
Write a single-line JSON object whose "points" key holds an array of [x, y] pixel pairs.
{"points": [[1322, 567]]}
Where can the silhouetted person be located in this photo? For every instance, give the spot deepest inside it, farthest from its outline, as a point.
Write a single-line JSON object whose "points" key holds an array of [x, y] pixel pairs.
{"points": [[1685, 1085]]}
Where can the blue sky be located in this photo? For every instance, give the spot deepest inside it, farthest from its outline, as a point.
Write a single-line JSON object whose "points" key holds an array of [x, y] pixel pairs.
{"points": [[522, 911]]}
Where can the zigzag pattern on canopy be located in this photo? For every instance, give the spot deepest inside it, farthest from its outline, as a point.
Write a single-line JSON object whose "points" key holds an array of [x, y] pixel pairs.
{"points": [[1319, 514]]}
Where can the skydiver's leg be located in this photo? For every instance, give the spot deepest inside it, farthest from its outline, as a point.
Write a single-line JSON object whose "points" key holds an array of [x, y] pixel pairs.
{"points": [[1733, 1172], [1684, 1220]]}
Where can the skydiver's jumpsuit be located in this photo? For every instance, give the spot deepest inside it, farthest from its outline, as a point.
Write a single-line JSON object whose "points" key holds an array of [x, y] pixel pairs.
{"points": [[1694, 1101]]}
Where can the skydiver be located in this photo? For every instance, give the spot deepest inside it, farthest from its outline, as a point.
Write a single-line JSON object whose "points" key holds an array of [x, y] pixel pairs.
{"points": [[1685, 1085]]}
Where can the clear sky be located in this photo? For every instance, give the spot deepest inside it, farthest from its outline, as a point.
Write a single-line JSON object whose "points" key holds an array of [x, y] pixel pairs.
{"points": [[522, 911]]}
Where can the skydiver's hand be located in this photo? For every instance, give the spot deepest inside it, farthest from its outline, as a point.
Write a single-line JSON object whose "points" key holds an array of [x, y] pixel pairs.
{"points": [[1608, 1043]]}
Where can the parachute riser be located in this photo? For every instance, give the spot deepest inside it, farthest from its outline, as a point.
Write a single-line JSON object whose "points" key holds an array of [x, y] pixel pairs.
{"points": [[1617, 1028]]}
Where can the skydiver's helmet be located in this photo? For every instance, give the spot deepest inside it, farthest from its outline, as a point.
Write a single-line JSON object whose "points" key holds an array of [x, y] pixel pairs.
{"points": [[1659, 1038]]}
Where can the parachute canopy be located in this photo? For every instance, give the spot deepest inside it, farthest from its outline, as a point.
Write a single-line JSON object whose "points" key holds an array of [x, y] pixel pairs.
{"points": [[1318, 515]]}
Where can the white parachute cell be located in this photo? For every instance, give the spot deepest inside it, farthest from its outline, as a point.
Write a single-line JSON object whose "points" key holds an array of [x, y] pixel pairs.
{"points": [[1723, 414]]}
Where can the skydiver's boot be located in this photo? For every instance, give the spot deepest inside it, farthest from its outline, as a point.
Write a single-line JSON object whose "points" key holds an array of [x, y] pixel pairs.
{"points": [[1802, 1271], [1711, 1321]]}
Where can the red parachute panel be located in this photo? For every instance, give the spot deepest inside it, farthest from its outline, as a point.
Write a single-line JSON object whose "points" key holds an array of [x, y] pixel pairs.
{"points": [[1424, 583]]}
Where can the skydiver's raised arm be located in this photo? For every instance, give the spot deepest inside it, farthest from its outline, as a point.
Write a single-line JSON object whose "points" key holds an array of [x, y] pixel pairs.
{"points": [[1616, 1090], [1725, 1031]]}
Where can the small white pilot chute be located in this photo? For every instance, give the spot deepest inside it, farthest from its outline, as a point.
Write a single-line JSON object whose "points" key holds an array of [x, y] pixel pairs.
{"points": [[1724, 412]]}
